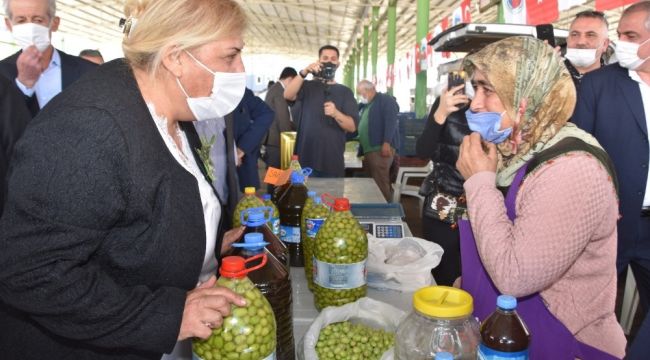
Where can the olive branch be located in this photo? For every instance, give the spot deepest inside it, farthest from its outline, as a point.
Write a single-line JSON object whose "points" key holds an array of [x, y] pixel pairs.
{"points": [[204, 154]]}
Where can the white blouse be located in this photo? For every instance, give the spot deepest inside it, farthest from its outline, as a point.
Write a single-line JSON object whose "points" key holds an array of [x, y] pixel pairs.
{"points": [[211, 214]]}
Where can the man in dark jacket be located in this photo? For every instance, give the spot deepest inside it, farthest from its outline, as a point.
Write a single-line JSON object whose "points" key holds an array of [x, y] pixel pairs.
{"points": [[14, 117], [378, 134], [39, 71], [283, 119]]}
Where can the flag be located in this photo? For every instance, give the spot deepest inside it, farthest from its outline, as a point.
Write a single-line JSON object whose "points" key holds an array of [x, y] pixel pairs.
{"points": [[466, 10], [513, 11], [602, 5], [541, 11], [444, 25], [568, 4]]}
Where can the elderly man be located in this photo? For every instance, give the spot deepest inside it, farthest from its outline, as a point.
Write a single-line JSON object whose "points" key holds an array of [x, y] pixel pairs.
{"points": [[39, 70], [378, 134], [614, 106], [586, 44]]}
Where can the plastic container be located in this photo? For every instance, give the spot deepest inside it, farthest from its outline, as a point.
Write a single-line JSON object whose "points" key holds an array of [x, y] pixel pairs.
{"points": [[340, 256], [256, 222], [313, 217], [282, 189], [249, 332], [273, 281], [248, 201], [504, 334], [441, 321], [290, 206], [273, 216]]}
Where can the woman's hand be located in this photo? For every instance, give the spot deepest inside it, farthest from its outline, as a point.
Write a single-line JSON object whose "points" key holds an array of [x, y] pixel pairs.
{"points": [[231, 236], [449, 103], [205, 308], [474, 158]]}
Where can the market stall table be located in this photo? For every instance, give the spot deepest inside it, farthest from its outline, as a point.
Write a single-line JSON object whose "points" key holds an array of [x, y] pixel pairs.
{"points": [[357, 190]]}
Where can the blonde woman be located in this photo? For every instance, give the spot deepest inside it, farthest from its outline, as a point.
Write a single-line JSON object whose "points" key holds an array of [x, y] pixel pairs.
{"points": [[111, 233]]}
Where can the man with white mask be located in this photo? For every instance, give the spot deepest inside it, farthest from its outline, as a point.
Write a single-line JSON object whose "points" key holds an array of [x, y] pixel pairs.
{"points": [[586, 44], [39, 70], [614, 105]]}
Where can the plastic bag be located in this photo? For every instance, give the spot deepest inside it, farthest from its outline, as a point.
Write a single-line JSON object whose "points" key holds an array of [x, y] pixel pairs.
{"points": [[365, 311], [403, 265]]}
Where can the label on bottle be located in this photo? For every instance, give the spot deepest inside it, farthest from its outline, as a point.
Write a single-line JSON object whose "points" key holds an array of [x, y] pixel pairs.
{"points": [[485, 353], [290, 234], [339, 276], [274, 223], [313, 225]]}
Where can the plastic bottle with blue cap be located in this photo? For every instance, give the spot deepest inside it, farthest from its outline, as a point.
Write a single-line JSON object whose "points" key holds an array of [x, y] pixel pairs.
{"points": [[290, 206], [313, 217], [274, 214], [504, 334], [273, 281], [256, 221]]}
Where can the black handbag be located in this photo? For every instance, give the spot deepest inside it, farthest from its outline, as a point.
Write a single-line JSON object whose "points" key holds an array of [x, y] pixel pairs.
{"points": [[439, 205]]}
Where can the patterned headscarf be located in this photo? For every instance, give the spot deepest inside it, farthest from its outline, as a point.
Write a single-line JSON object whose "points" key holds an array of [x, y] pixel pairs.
{"points": [[519, 68]]}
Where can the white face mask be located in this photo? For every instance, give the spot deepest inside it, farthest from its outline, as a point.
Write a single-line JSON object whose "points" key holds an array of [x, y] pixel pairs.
{"points": [[581, 57], [363, 100], [227, 91], [627, 54], [29, 34]]}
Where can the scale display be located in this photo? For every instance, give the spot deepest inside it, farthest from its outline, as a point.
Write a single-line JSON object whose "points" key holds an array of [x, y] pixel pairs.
{"points": [[381, 220]]}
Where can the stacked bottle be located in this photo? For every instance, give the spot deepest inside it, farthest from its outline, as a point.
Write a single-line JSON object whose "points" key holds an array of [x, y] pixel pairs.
{"points": [[290, 206], [249, 332], [504, 334], [273, 281], [256, 222], [248, 201], [273, 216], [313, 217], [340, 255]]}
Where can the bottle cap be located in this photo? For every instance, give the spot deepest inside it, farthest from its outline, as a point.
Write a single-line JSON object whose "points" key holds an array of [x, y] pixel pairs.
{"points": [[443, 302], [235, 266], [253, 242], [444, 356], [317, 200], [311, 194], [266, 197], [249, 190], [297, 178], [341, 204], [254, 216], [506, 302]]}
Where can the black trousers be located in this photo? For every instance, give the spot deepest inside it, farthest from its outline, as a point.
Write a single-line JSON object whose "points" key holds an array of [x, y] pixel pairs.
{"points": [[449, 239]]}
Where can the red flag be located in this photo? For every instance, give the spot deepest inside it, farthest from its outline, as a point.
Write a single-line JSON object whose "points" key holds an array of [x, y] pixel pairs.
{"points": [[541, 11], [444, 25], [602, 5], [466, 9]]}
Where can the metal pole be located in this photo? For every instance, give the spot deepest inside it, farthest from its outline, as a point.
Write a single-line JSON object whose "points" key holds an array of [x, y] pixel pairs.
{"points": [[375, 42], [422, 29], [390, 40]]}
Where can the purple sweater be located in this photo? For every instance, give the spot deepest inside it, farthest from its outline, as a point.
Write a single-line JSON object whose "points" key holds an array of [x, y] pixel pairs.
{"points": [[562, 243]]}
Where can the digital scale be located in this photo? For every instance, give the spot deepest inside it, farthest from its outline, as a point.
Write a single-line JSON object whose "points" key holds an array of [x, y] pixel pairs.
{"points": [[382, 220]]}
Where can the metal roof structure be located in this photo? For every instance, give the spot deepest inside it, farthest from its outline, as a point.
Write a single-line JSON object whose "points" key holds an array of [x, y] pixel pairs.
{"points": [[298, 27]]}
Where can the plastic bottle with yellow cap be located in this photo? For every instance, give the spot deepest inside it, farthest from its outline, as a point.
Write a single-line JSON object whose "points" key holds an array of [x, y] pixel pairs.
{"points": [[441, 321], [250, 200]]}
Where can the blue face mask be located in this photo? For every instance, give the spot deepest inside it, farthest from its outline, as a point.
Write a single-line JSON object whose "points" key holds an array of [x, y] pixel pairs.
{"points": [[487, 124]]}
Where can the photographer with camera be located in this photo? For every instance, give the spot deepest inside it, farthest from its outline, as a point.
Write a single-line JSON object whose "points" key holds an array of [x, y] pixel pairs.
{"points": [[329, 111]]}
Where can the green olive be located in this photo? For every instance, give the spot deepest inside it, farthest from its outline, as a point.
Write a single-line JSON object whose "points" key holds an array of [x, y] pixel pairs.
{"points": [[347, 341], [248, 333]]}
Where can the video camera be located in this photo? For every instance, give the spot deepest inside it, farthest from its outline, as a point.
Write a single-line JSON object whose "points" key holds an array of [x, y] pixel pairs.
{"points": [[327, 71]]}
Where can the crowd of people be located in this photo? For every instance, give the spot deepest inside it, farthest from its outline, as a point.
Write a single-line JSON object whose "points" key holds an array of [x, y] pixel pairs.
{"points": [[119, 179]]}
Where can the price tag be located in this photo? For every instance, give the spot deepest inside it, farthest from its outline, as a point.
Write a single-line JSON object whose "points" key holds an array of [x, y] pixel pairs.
{"points": [[277, 177]]}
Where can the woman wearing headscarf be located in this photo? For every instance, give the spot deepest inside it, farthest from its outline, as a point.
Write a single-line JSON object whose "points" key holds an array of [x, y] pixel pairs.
{"points": [[111, 233], [552, 242]]}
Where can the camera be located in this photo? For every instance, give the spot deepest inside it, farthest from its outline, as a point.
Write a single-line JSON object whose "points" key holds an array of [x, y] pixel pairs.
{"points": [[327, 71]]}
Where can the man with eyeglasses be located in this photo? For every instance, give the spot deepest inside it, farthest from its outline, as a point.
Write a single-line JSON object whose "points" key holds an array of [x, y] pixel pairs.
{"points": [[586, 44], [39, 70]]}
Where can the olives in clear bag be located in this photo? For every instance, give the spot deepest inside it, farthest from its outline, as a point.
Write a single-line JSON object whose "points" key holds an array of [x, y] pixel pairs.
{"points": [[347, 341]]}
